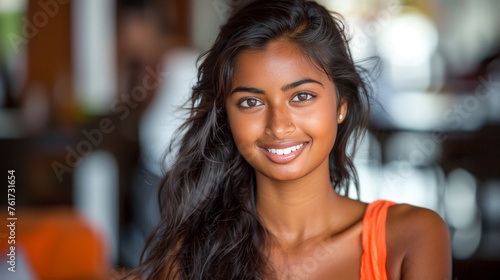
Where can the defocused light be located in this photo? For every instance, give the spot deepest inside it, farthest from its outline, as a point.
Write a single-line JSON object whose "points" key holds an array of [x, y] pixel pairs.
{"points": [[368, 150], [164, 116], [94, 54], [408, 40], [96, 195], [418, 110], [460, 199], [369, 177], [365, 22], [405, 183], [340, 6], [416, 148], [368, 162], [407, 46], [465, 241], [434, 111], [411, 174], [490, 202], [7, 6], [470, 34]]}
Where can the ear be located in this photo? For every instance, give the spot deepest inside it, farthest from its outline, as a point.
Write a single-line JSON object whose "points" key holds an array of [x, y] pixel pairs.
{"points": [[342, 111]]}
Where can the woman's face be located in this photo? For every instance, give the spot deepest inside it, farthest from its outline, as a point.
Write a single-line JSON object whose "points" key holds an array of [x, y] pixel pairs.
{"points": [[282, 112]]}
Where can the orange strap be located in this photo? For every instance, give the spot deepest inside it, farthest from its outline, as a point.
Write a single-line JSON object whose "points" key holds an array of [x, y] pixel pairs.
{"points": [[373, 241]]}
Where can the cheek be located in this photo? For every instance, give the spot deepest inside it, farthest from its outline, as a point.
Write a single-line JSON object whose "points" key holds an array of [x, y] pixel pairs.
{"points": [[321, 123], [246, 147], [245, 132]]}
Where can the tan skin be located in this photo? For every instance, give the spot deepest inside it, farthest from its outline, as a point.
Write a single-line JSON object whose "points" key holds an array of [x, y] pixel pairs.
{"points": [[280, 99]]}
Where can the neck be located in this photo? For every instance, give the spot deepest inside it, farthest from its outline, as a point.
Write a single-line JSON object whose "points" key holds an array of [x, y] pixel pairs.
{"points": [[298, 210]]}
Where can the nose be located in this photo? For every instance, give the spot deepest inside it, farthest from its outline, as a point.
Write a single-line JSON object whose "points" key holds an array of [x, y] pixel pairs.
{"points": [[279, 123]]}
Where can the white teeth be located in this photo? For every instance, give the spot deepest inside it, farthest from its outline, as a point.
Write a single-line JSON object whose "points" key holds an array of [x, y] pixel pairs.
{"points": [[285, 151]]}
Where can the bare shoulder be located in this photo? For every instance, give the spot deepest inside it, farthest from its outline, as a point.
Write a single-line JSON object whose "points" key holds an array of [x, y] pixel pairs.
{"points": [[415, 221], [418, 244]]}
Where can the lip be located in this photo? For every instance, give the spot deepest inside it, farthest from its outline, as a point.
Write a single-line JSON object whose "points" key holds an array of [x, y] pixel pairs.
{"points": [[282, 159]]}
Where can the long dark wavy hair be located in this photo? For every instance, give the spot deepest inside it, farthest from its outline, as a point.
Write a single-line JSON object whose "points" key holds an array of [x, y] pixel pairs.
{"points": [[209, 227]]}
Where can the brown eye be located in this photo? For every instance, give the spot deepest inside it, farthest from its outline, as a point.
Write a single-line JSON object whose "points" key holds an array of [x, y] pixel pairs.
{"points": [[250, 102], [302, 96]]}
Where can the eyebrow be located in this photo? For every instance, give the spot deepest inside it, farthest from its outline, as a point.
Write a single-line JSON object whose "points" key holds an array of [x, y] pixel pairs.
{"points": [[298, 83], [283, 88]]}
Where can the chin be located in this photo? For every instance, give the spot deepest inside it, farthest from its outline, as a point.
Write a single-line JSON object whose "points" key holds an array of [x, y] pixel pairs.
{"points": [[284, 175]]}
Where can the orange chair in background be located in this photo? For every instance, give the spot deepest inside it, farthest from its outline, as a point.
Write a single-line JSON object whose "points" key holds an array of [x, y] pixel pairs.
{"points": [[58, 244]]}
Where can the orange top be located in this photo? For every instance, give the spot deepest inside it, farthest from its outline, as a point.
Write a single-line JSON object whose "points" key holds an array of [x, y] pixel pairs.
{"points": [[373, 241]]}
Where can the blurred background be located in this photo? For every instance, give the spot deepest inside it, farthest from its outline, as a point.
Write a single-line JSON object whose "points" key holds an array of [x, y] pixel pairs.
{"points": [[88, 98]]}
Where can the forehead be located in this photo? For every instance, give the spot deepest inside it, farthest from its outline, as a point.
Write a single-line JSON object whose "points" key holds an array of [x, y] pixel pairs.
{"points": [[280, 61]]}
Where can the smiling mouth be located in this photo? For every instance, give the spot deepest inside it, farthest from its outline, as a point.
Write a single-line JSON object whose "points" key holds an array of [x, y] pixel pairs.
{"points": [[285, 151]]}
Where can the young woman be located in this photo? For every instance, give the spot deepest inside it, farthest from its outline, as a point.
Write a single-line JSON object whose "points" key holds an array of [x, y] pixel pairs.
{"points": [[255, 192]]}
